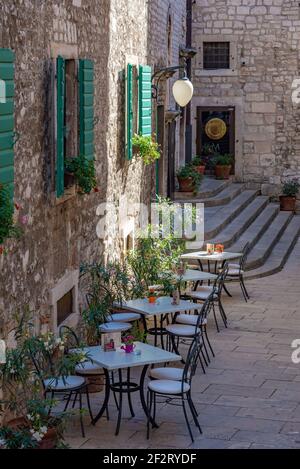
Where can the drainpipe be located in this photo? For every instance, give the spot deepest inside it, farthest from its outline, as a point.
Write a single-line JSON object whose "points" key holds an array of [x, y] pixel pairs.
{"points": [[188, 115]]}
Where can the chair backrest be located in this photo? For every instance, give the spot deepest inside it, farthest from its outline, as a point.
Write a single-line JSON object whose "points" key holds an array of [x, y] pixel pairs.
{"points": [[192, 361], [243, 259], [220, 280], [42, 362], [202, 315], [71, 339]]}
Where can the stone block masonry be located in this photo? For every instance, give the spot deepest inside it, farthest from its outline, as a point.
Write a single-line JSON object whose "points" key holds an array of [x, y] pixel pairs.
{"points": [[265, 35]]}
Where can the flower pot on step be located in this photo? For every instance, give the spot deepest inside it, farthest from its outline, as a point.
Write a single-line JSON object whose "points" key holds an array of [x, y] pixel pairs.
{"points": [[287, 203], [222, 172], [200, 169], [186, 184]]}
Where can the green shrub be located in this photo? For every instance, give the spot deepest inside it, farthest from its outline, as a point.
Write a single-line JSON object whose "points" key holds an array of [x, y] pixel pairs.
{"points": [[147, 149], [83, 171], [291, 188]]}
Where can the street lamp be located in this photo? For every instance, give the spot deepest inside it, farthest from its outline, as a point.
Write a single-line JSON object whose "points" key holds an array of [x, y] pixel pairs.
{"points": [[182, 88]]}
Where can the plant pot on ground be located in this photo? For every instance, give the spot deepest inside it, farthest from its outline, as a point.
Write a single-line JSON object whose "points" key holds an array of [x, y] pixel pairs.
{"points": [[222, 165], [189, 179], [198, 164], [288, 198]]}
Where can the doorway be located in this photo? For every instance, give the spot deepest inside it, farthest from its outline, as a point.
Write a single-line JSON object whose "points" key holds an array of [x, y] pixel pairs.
{"points": [[215, 133]]}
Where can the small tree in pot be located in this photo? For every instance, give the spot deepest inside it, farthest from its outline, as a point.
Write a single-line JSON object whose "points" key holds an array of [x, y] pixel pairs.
{"points": [[288, 199], [222, 164], [189, 179]]}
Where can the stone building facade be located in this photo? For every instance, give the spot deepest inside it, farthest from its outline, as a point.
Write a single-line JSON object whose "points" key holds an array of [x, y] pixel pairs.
{"points": [[43, 266], [256, 85]]}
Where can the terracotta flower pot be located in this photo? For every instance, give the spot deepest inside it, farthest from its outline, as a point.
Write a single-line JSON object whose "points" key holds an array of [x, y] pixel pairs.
{"points": [[186, 184], [49, 441], [287, 203], [200, 169], [222, 172]]}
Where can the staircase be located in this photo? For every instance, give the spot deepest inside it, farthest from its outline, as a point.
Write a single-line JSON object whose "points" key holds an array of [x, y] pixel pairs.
{"points": [[235, 215]]}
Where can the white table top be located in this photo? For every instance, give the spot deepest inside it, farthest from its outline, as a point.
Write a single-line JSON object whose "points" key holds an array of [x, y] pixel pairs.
{"points": [[203, 256], [196, 275], [119, 359], [163, 305]]}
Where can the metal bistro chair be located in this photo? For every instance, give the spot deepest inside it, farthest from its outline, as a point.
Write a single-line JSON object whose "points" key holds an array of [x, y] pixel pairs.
{"points": [[183, 331], [59, 385], [236, 272], [216, 291], [177, 389]]}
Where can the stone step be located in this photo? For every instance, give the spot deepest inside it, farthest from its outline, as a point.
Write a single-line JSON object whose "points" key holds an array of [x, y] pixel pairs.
{"points": [[217, 218], [210, 187], [280, 253], [225, 196], [256, 229], [263, 248]]}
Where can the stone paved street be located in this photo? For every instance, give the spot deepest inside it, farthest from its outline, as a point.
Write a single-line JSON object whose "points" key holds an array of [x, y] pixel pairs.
{"points": [[250, 395]]}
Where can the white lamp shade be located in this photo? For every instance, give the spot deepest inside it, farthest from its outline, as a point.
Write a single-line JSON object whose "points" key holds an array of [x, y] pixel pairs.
{"points": [[183, 91]]}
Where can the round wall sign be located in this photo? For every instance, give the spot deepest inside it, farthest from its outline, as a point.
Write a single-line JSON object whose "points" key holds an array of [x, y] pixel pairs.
{"points": [[215, 128]]}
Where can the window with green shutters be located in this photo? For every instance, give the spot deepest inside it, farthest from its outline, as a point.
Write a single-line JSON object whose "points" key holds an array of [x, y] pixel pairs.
{"points": [[138, 104], [7, 59], [73, 110], [145, 100]]}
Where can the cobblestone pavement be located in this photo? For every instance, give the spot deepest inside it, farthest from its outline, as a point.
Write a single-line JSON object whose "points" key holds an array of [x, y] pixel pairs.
{"points": [[250, 394]]}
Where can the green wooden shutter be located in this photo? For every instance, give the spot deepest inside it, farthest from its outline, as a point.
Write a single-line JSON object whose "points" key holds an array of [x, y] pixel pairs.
{"points": [[145, 100], [60, 126], [7, 58], [86, 112], [129, 111]]}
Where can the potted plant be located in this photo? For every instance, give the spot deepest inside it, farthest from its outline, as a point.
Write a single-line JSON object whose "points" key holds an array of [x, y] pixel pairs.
{"points": [[199, 164], [189, 179], [81, 170], [145, 148], [128, 343], [222, 164], [288, 199]]}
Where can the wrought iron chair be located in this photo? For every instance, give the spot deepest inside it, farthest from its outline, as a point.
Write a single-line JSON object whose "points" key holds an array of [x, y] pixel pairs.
{"points": [[177, 389], [180, 330], [236, 271], [216, 291], [59, 385]]}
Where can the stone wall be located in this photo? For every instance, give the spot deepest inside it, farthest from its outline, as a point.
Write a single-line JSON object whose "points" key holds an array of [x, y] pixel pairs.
{"points": [[265, 41], [61, 235]]}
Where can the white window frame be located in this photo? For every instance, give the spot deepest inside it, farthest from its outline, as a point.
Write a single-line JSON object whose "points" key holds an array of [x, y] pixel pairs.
{"points": [[232, 70]]}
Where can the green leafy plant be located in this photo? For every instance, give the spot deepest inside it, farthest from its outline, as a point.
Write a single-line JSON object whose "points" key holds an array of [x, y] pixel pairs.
{"points": [[84, 173], [8, 228], [105, 285], [198, 161], [223, 160], [291, 188], [146, 148]]}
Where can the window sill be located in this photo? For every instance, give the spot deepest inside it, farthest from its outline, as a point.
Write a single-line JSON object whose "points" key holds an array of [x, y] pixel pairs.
{"points": [[70, 193], [216, 73]]}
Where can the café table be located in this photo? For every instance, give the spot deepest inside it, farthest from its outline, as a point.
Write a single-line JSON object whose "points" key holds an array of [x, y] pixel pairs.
{"points": [[162, 307], [144, 356], [216, 257]]}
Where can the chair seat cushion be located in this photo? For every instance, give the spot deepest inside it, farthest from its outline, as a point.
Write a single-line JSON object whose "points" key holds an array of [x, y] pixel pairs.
{"points": [[234, 266], [123, 317], [183, 330], [88, 368], [115, 327], [168, 386], [174, 374], [234, 272], [200, 295], [190, 319], [64, 383]]}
